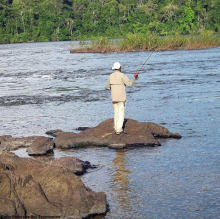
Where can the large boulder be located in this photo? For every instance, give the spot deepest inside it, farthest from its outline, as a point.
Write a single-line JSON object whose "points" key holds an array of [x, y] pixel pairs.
{"points": [[29, 187], [41, 146], [138, 134], [37, 145]]}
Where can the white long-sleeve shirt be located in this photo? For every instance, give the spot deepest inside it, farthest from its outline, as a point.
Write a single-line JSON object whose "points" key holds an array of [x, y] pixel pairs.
{"points": [[117, 82]]}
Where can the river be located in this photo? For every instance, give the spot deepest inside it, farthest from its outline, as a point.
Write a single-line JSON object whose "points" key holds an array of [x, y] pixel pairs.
{"points": [[44, 87]]}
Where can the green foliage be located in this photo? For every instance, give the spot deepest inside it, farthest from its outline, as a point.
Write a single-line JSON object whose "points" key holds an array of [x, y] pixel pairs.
{"points": [[186, 20], [138, 42], [50, 20]]}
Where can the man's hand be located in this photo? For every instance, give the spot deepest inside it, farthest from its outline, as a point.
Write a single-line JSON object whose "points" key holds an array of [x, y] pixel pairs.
{"points": [[136, 74]]}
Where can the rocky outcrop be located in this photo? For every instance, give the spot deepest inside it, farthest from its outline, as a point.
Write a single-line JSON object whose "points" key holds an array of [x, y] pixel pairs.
{"points": [[41, 146], [10, 143], [54, 133], [70, 164], [3, 139], [160, 131], [45, 186], [138, 134], [30, 187]]}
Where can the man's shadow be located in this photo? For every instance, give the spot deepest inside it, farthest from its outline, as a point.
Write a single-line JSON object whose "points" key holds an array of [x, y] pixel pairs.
{"points": [[125, 121]]}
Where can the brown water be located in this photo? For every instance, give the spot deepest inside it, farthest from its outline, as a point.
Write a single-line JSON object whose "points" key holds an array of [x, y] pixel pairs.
{"points": [[44, 87]]}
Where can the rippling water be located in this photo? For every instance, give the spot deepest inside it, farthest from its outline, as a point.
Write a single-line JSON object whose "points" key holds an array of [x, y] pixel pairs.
{"points": [[44, 87]]}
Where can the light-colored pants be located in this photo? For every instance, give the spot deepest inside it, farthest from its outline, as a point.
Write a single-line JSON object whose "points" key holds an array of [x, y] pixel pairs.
{"points": [[119, 114]]}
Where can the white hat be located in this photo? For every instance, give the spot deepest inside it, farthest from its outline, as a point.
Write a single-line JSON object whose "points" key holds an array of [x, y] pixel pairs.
{"points": [[116, 65]]}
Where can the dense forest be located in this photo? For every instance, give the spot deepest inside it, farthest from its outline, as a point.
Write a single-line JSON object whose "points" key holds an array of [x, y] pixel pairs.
{"points": [[54, 20]]}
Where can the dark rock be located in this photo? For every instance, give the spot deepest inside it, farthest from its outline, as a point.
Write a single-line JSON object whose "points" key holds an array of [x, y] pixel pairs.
{"points": [[2, 149], [138, 134], [82, 128], [3, 139], [117, 146], [30, 187], [70, 164], [54, 133], [66, 140], [160, 131], [41, 146], [12, 143]]}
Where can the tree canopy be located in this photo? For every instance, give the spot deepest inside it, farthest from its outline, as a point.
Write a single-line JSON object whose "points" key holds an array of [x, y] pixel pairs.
{"points": [[53, 20]]}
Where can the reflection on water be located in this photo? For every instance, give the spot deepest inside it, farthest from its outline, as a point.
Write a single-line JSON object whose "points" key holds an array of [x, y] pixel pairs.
{"points": [[121, 180]]}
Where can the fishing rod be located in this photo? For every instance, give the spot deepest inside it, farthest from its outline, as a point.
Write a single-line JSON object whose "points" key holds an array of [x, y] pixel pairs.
{"points": [[151, 52], [153, 36], [147, 60], [150, 55]]}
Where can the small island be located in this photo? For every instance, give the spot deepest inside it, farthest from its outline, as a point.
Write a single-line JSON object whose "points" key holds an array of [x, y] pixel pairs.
{"points": [[149, 42], [138, 134]]}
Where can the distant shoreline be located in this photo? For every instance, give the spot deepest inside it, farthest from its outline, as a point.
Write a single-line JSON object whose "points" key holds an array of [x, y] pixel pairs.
{"points": [[140, 43], [116, 51]]}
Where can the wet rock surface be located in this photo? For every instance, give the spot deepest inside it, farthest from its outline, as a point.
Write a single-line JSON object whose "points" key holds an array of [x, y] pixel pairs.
{"points": [[70, 164], [138, 134], [32, 187]]}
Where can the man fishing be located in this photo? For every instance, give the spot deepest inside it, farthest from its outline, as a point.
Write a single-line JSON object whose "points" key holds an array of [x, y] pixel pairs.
{"points": [[117, 82]]}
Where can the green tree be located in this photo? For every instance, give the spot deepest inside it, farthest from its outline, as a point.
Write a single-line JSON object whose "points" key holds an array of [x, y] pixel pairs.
{"points": [[47, 20], [186, 20]]}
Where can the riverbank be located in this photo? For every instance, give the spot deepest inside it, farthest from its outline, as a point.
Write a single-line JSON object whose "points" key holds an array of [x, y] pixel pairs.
{"points": [[150, 42]]}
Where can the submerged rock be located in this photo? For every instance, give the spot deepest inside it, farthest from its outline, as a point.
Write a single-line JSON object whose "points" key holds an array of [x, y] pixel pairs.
{"points": [[30, 187], [138, 134], [54, 133], [82, 128]]}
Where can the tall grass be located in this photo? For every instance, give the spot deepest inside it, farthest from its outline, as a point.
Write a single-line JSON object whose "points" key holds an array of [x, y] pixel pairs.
{"points": [[100, 45], [202, 41], [151, 42]]}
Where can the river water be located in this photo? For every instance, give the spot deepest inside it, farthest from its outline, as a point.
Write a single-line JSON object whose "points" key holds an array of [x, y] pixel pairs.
{"points": [[44, 87]]}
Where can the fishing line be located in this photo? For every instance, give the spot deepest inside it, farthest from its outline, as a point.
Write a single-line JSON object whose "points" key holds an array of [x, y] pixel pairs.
{"points": [[154, 36], [154, 50]]}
